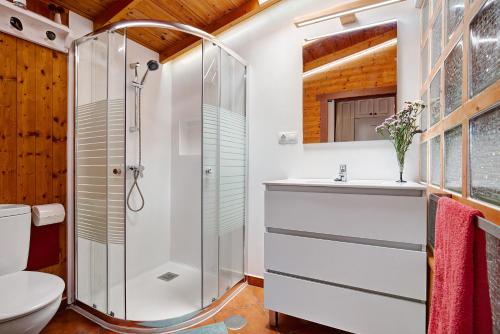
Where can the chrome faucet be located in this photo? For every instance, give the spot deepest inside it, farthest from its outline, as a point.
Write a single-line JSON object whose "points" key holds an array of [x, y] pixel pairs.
{"points": [[342, 173]]}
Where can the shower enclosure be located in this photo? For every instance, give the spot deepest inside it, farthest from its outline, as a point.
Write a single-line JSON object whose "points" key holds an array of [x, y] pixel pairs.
{"points": [[184, 250]]}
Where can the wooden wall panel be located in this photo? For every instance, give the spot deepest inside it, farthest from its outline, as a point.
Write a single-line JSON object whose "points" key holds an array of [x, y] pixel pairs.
{"points": [[43, 141], [33, 135], [26, 121], [59, 145], [7, 118]]}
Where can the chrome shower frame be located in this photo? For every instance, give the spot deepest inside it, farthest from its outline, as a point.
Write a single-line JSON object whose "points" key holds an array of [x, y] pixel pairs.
{"points": [[181, 323]]}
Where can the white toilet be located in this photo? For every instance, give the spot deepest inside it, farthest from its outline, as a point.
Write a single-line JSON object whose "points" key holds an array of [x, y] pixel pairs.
{"points": [[28, 300]]}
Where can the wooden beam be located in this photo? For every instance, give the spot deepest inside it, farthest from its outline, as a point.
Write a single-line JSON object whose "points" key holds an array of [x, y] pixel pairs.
{"points": [[245, 11], [116, 10], [341, 10]]}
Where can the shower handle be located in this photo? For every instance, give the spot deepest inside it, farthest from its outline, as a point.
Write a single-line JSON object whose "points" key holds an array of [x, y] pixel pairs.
{"points": [[208, 171], [117, 171]]}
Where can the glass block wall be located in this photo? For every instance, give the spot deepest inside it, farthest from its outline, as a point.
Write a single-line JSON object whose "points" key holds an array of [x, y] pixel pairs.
{"points": [[436, 161], [454, 14], [460, 147], [453, 66], [423, 162], [484, 148], [460, 72], [435, 99], [424, 115], [436, 41], [453, 159], [484, 59]]}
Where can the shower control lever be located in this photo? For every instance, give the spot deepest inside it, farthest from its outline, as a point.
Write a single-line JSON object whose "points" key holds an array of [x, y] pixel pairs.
{"points": [[117, 171], [208, 171]]}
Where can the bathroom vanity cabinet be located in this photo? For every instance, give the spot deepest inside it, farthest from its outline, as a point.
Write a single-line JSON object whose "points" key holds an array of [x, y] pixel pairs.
{"points": [[349, 255]]}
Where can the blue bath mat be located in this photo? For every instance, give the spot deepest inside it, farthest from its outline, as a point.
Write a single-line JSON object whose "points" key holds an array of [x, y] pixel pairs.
{"points": [[218, 328]]}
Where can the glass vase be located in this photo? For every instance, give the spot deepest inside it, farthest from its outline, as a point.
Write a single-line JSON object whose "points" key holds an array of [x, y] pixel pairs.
{"points": [[401, 164]]}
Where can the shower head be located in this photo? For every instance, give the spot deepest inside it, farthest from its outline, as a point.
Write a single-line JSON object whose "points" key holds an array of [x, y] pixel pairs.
{"points": [[152, 66]]}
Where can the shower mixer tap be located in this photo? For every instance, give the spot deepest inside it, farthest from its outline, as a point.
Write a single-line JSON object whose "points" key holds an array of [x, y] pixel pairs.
{"points": [[137, 169]]}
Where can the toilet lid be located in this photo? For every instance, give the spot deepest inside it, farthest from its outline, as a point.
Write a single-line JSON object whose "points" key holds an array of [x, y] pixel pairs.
{"points": [[25, 292]]}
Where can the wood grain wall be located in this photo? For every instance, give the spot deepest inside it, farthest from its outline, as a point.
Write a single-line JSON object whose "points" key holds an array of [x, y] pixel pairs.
{"points": [[33, 135], [375, 70]]}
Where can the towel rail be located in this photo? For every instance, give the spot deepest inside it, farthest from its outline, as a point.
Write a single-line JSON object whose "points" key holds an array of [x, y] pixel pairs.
{"points": [[483, 223], [489, 227]]}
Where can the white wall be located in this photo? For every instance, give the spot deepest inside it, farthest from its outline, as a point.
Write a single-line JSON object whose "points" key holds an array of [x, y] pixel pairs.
{"points": [[186, 166], [272, 45], [148, 231]]}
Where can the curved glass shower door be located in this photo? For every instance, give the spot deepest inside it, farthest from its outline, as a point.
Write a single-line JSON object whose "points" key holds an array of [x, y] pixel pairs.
{"points": [[224, 171], [99, 181], [163, 263]]}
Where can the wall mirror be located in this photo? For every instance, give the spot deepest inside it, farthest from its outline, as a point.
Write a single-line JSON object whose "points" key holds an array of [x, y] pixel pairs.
{"points": [[350, 83]]}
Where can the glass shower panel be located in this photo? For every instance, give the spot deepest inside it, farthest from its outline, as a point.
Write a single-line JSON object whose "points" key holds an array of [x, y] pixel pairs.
{"points": [[210, 172], [91, 171], [232, 167], [116, 174]]}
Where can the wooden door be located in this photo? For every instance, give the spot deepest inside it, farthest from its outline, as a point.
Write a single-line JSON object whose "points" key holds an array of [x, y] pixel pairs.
{"points": [[344, 122]]}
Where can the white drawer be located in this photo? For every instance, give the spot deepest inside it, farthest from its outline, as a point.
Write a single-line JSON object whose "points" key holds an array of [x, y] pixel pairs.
{"points": [[342, 308], [387, 270], [380, 217]]}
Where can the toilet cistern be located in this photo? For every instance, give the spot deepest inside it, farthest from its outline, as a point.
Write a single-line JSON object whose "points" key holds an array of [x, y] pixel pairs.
{"points": [[342, 173]]}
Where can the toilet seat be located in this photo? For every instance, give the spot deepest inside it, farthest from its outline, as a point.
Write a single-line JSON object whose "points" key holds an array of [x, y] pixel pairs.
{"points": [[25, 292]]}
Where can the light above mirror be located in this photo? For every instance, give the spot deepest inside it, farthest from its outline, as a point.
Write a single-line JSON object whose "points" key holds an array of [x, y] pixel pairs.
{"points": [[342, 10], [312, 39], [349, 83]]}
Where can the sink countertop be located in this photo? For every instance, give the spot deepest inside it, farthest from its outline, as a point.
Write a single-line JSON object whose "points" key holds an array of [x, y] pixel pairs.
{"points": [[373, 184]]}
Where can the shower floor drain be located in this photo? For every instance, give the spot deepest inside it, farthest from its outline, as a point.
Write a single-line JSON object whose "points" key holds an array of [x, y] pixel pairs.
{"points": [[235, 322], [167, 277]]}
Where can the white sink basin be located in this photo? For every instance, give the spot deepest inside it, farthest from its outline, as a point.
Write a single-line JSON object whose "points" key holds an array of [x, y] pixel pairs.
{"points": [[385, 184]]}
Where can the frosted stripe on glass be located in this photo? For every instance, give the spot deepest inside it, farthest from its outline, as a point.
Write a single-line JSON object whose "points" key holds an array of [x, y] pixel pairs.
{"points": [[99, 136], [232, 171]]}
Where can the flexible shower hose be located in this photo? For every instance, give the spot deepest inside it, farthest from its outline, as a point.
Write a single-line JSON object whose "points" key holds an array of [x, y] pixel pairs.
{"points": [[137, 173]]}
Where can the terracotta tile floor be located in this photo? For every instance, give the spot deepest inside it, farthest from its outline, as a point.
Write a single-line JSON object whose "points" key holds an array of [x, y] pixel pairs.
{"points": [[249, 304]]}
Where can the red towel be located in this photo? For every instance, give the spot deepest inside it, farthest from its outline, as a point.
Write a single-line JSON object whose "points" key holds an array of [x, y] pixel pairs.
{"points": [[460, 298]]}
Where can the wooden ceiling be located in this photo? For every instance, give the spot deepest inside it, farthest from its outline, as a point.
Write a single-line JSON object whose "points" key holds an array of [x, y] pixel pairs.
{"points": [[338, 46], [212, 16]]}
